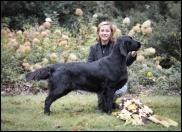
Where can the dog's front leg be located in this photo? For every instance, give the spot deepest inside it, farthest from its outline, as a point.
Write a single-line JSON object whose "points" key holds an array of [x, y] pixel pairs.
{"points": [[109, 100]]}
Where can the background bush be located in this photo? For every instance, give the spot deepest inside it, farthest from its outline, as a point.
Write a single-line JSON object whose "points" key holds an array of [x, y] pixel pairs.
{"points": [[70, 36]]}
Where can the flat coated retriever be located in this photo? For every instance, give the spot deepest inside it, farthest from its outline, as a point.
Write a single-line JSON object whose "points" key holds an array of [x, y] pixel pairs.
{"points": [[103, 76]]}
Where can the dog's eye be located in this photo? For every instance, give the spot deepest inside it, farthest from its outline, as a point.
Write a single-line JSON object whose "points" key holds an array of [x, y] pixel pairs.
{"points": [[128, 42]]}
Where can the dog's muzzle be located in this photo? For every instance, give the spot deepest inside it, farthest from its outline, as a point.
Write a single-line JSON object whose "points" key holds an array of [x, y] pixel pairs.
{"points": [[139, 45]]}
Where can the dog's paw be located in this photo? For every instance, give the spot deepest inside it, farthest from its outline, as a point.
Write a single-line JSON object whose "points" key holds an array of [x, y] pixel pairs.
{"points": [[47, 113], [115, 106]]}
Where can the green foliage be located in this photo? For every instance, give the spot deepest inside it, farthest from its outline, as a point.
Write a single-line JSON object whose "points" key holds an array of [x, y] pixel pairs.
{"points": [[5, 23], [162, 81], [63, 44], [167, 32], [11, 67]]}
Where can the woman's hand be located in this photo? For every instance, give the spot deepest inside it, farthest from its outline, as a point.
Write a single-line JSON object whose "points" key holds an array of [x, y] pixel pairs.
{"points": [[133, 53]]}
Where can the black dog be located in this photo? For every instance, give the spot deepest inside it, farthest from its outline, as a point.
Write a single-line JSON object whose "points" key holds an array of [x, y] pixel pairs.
{"points": [[103, 76]]}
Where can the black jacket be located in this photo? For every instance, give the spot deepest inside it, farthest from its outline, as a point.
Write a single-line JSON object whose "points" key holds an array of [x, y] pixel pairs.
{"points": [[96, 53]]}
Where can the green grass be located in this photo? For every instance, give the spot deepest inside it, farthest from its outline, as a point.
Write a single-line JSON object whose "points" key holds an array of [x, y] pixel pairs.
{"points": [[77, 112]]}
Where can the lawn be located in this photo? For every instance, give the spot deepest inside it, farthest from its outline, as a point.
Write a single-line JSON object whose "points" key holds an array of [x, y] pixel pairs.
{"points": [[75, 112]]}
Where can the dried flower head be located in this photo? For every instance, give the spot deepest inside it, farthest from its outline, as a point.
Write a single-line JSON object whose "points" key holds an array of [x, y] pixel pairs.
{"points": [[19, 32], [64, 37], [79, 12], [36, 41], [136, 29], [41, 28], [25, 33], [146, 30], [71, 57], [46, 25], [57, 32], [150, 51], [54, 57], [131, 33], [45, 61], [140, 58], [37, 66], [36, 34]]}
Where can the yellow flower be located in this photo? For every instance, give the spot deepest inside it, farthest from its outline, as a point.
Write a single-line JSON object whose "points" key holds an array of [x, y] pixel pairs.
{"points": [[174, 34], [138, 24], [132, 107], [149, 74], [174, 59]]}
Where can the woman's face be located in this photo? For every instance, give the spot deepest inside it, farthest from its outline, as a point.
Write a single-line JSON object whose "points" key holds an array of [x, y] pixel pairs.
{"points": [[105, 32]]}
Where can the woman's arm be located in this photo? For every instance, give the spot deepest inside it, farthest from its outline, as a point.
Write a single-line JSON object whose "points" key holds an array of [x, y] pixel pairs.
{"points": [[91, 57]]}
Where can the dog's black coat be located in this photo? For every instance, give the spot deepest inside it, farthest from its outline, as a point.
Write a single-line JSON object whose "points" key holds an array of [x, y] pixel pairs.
{"points": [[103, 76]]}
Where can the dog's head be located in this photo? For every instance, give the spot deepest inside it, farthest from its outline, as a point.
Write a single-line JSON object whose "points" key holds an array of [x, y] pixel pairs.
{"points": [[127, 44]]}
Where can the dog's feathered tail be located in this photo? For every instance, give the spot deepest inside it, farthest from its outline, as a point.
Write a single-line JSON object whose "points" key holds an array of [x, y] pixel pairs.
{"points": [[42, 73]]}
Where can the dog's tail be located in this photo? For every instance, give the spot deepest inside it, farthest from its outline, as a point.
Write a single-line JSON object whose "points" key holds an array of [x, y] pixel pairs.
{"points": [[42, 73]]}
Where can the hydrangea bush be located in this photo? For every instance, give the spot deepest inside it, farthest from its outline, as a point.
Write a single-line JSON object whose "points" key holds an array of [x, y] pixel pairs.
{"points": [[46, 44]]}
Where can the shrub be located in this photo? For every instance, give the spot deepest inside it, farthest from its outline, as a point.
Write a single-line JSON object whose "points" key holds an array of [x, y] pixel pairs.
{"points": [[38, 47]]}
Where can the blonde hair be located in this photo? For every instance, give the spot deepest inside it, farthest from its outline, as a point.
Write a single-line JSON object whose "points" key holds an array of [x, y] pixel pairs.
{"points": [[112, 38]]}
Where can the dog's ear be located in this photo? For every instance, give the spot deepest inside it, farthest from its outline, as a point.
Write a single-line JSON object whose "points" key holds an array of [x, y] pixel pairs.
{"points": [[123, 49]]}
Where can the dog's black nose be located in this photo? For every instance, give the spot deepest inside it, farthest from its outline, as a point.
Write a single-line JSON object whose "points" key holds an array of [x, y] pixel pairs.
{"points": [[139, 45]]}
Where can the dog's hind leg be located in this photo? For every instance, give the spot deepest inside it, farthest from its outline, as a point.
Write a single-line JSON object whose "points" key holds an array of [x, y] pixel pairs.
{"points": [[54, 94], [51, 98]]}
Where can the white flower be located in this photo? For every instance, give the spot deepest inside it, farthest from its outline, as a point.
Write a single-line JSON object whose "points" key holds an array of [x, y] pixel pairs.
{"points": [[158, 66], [147, 6], [95, 16], [146, 24], [126, 21], [48, 20]]}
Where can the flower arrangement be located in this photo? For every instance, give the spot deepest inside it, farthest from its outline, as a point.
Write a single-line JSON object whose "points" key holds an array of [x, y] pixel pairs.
{"points": [[133, 111]]}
